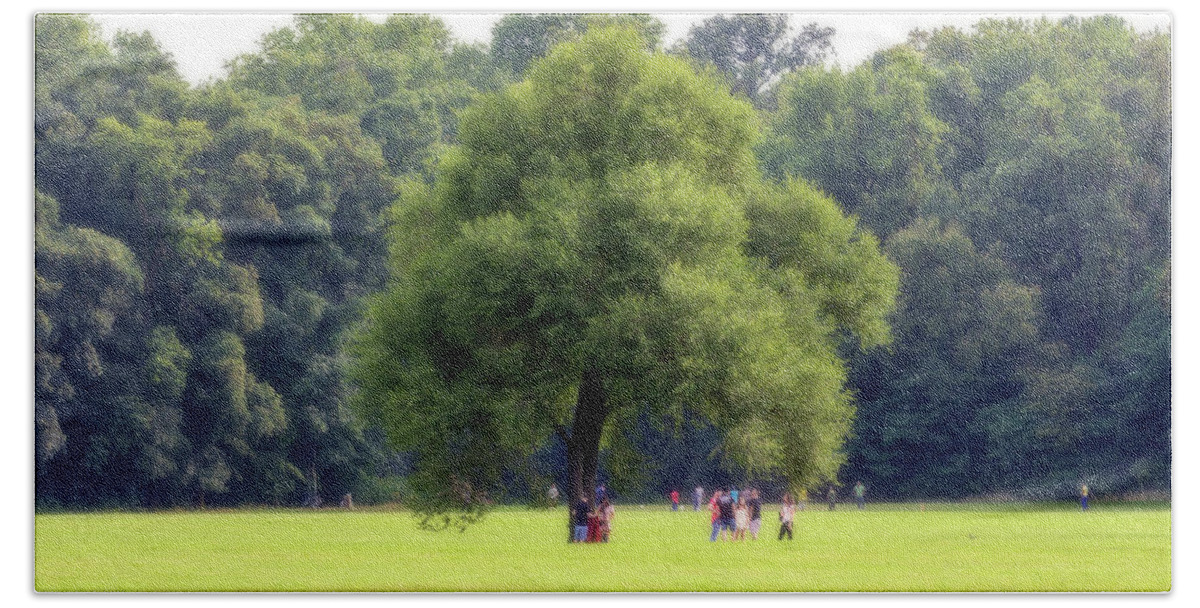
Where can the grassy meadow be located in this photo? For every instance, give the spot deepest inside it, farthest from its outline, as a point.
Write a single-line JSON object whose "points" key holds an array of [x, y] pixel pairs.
{"points": [[902, 547]]}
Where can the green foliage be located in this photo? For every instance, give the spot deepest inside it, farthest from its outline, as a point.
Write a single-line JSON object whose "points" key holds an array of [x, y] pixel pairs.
{"points": [[84, 281], [203, 255], [964, 333], [401, 78], [80, 79], [867, 137], [150, 395], [801, 227], [753, 51], [594, 223], [1011, 173], [520, 39]]}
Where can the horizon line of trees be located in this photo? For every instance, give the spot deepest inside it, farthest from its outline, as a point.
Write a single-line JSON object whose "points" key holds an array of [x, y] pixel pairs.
{"points": [[204, 255]]}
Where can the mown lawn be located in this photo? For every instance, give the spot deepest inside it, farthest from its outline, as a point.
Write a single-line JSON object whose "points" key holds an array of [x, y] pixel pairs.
{"points": [[884, 548]]}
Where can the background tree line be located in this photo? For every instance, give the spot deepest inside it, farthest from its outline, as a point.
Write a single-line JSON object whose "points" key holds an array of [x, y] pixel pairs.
{"points": [[204, 254]]}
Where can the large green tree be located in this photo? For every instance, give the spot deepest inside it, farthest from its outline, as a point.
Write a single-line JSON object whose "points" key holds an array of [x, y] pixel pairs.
{"points": [[599, 248]]}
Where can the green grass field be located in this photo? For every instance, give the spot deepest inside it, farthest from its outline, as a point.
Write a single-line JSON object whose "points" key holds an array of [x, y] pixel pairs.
{"points": [[884, 548]]}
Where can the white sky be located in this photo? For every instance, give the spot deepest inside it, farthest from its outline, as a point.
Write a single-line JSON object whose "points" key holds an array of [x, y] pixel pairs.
{"points": [[202, 43]]}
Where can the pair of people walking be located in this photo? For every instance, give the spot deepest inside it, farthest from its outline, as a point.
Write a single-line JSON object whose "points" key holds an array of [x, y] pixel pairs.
{"points": [[860, 496]]}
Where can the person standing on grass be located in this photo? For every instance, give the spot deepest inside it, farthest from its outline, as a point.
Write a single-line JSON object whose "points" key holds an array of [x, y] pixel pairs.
{"points": [[859, 492], [787, 513], [674, 500], [606, 516], [601, 493], [716, 514], [725, 504], [593, 525], [1083, 496], [552, 495], [697, 498], [741, 520], [755, 513], [832, 496], [579, 515], [733, 495]]}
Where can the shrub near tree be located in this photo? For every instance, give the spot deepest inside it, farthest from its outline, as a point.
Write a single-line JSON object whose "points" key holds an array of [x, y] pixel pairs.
{"points": [[600, 248]]}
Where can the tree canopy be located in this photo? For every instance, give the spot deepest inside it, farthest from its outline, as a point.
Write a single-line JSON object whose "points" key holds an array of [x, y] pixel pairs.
{"points": [[754, 50], [567, 248], [1011, 172], [599, 247]]}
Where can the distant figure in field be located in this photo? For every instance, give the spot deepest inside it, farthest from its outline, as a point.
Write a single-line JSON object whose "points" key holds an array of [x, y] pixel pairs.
{"points": [[741, 520], [347, 501], [832, 496], [552, 495], [755, 513], [601, 493], [787, 513], [859, 494], [725, 504], [733, 495], [579, 514], [1083, 496], [716, 514], [593, 524], [802, 499], [697, 498], [674, 500], [606, 516]]}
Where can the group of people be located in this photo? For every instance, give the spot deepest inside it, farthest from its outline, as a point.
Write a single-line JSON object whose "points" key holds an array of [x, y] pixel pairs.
{"points": [[734, 512], [733, 515], [591, 523], [860, 492]]}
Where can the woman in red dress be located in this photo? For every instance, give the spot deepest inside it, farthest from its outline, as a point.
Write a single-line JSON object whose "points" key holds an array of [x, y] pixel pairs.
{"points": [[593, 526]]}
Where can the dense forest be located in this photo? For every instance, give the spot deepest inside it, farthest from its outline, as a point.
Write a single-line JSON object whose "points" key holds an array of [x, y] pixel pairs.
{"points": [[205, 255]]}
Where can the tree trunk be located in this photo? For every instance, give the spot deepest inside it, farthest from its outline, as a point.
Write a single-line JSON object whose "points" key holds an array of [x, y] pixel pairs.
{"points": [[583, 447]]}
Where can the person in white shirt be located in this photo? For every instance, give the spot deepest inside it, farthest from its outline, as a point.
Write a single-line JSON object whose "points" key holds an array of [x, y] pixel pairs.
{"points": [[786, 514]]}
